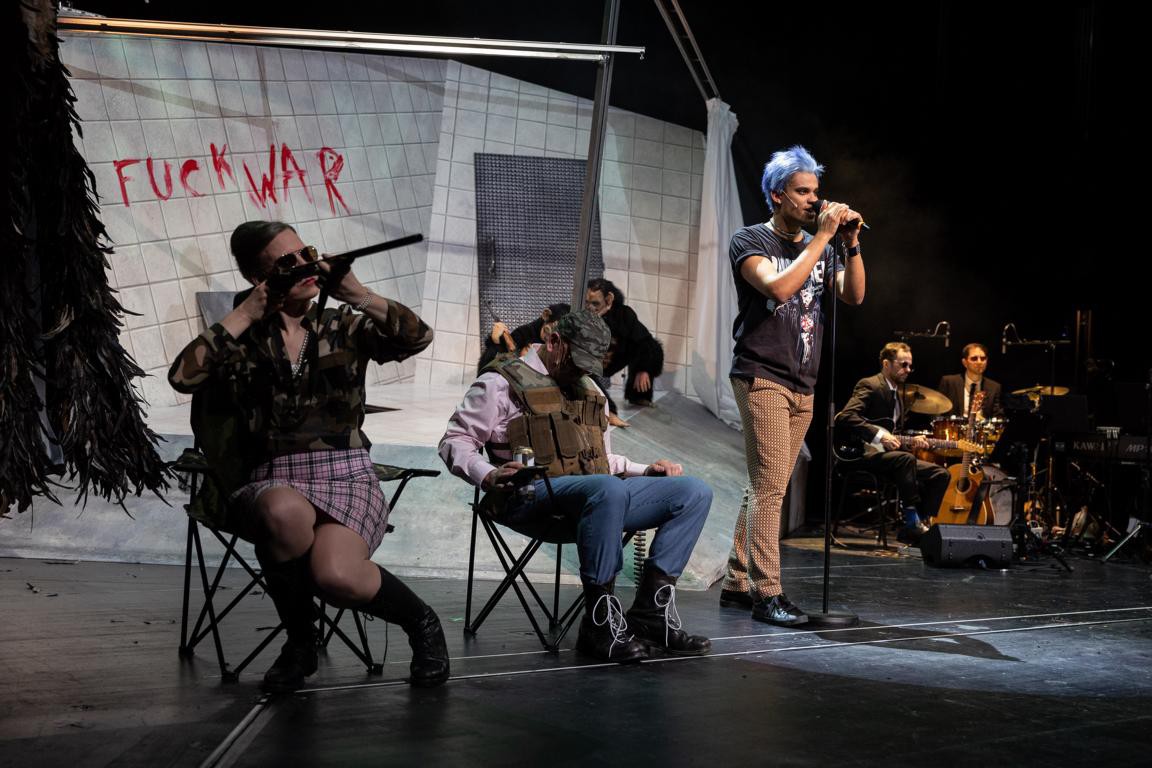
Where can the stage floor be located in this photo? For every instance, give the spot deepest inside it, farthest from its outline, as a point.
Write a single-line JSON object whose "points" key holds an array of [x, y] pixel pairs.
{"points": [[1031, 666]]}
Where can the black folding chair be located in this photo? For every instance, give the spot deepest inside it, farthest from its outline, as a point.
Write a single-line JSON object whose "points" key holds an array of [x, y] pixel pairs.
{"points": [[554, 528], [871, 493], [216, 427]]}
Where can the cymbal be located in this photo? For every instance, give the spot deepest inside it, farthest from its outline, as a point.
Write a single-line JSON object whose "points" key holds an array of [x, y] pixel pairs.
{"points": [[918, 399], [1038, 391]]}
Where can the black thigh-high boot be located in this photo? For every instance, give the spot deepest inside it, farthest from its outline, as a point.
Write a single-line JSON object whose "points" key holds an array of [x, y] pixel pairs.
{"points": [[290, 587], [396, 603]]}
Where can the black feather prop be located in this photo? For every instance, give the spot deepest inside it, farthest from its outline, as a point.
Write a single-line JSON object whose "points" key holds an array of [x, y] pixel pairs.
{"points": [[65, 379]]}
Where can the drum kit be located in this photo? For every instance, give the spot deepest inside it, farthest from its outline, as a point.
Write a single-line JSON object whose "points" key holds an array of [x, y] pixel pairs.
{"points": [[985, 433]]}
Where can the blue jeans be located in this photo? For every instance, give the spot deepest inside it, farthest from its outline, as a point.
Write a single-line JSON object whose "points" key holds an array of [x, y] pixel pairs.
{"points": [[605, 506]]}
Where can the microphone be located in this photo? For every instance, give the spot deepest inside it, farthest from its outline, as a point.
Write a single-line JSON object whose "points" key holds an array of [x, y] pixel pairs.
{"points": [[1004, 341], [854, 224]]}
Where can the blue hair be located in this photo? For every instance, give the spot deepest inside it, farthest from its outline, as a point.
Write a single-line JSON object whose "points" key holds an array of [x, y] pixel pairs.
{"points": [[783, 166]]}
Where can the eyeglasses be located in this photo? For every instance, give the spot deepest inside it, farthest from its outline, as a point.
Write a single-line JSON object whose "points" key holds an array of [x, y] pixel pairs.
{"points": [[903, 364], [288, 260], [977, 359]]}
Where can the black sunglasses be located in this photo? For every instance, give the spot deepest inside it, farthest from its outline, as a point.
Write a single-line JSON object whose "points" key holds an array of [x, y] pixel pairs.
{"points": [[288, 260]]}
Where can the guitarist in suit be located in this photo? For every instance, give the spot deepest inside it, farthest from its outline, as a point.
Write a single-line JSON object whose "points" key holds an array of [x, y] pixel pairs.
{"points": [[961, 387], [922, 485]]}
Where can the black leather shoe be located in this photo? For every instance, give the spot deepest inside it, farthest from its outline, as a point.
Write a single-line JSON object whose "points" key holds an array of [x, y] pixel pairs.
{"points": [[730, 598], [604, 631], [295, 662], [778, 610], [430, 666]]}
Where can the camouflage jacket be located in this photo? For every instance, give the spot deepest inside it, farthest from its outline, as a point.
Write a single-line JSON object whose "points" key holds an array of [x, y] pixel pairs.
{"points": [[322, 406]]}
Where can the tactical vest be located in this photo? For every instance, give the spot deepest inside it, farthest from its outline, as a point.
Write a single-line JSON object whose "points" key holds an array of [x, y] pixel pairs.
{"points": [[567, 436]]}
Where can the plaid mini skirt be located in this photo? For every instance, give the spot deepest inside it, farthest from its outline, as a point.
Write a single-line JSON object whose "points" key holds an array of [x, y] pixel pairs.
{"points": [[339, 483]]}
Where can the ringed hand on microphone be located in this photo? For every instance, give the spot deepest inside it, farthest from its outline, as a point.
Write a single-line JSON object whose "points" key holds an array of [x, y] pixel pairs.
{"points": [[852, 220], [833, 216]]}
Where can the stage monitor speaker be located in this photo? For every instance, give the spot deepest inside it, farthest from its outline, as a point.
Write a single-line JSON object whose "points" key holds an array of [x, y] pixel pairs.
{"points": [[967, 546]]}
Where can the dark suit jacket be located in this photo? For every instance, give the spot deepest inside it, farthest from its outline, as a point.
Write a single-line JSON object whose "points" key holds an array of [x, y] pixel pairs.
{"points": [[871, 399], [953, 387]]}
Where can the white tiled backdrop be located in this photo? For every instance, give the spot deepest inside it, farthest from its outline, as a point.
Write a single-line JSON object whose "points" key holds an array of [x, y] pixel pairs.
{"points": [[407, 129]]}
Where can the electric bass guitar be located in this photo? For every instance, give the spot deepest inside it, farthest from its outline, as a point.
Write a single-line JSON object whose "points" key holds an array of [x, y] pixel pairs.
{"points": [[848, 447]]}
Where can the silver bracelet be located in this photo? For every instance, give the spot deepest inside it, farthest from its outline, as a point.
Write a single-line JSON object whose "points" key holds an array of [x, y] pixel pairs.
{"points": [[364, 302]]}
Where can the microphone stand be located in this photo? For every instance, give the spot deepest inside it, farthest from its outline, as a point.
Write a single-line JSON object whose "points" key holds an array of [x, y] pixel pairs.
{"points": [[826, 617], [932, 334], [904, 336], [1050, 345]]}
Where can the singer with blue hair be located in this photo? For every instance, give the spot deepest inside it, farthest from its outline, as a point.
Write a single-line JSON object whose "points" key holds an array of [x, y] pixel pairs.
{"points": [[782, 274], [782, 167]]}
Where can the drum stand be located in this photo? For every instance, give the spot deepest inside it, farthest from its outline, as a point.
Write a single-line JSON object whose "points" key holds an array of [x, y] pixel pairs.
{"points": [[1023, 536], [1090, 517], [1045, 500]]}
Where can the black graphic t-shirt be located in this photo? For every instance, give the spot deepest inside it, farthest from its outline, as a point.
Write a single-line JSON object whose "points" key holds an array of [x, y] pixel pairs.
{"points": [[778, 341]]}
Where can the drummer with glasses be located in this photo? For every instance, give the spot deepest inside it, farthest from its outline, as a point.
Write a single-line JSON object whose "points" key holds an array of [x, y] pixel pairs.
{"points": [[961, 388]]}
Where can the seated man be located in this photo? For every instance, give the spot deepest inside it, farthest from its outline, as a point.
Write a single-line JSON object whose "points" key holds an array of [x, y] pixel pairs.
{"points": [[960, 388], [632, 346], [546, 401], [872, 415]]}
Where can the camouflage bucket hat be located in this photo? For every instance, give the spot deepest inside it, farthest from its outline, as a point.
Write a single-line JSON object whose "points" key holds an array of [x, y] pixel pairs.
{"points": [[588, 338]]}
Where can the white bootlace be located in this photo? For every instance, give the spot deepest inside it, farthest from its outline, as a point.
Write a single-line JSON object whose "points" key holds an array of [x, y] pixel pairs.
{"points": [[671, 615], [614, 618]]}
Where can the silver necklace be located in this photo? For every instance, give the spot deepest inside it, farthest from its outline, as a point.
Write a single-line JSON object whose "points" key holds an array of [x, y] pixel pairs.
{"points": [[299, 364], [781, 232]]}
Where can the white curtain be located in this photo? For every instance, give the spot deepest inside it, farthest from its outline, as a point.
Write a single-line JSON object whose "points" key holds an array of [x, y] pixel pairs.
{"points": [[720, 217]]}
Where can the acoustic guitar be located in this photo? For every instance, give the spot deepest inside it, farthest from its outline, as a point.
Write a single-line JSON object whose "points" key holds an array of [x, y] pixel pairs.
{"points": [[962, 504]]}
